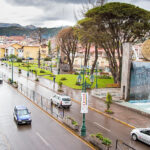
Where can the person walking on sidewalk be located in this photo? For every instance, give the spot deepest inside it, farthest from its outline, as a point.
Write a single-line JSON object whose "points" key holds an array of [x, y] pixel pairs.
{"points": [[54, 79]]}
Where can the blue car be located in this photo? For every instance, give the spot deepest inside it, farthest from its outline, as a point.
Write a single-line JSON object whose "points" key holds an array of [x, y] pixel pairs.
{"points": [[22, 115]]}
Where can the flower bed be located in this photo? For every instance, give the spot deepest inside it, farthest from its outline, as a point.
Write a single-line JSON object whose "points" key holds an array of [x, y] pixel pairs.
{"points": [[71, 123], [99, 141]]}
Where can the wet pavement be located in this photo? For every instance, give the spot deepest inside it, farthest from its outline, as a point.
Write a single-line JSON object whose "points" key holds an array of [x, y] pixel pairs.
{"points": [[94, 121], [43, 134]]}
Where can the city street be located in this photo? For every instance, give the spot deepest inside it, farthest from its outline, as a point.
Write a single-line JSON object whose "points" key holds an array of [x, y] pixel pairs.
{"points": [[94, 122], [43, 134]]}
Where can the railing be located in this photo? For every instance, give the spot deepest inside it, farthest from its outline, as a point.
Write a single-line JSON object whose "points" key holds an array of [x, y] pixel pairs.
{"points": [[41, 101], [120, 145]]}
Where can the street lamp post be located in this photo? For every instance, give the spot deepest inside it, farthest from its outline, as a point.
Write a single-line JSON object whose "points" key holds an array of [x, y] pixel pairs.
{"points": [[28, 68], [83, 128], [51, 64], [12, 71], [96, 75], [58, 65]]}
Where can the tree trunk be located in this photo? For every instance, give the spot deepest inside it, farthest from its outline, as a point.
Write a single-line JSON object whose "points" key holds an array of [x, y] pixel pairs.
{"points": [[95, 61], [39, 57], [70, 64], [86, 55]]}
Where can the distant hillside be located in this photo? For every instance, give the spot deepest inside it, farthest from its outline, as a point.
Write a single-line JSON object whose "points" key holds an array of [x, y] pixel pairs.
{"points": [[8, 30], [10, 25]]}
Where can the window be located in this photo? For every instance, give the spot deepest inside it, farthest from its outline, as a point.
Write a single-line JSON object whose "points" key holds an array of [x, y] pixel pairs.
{"points": [[147, 132], [65, 99], [22, 112]]}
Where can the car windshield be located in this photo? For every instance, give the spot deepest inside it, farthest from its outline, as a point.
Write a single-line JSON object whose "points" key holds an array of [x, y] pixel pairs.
{"points": [[22, 112], [66, 99]]}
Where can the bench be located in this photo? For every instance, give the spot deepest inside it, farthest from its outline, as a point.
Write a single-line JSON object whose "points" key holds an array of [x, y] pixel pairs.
{"points": [[114, 85]]}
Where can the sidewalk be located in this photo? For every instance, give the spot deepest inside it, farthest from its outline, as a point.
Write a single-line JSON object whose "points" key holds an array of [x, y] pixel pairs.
{"points": [[120, 112]]}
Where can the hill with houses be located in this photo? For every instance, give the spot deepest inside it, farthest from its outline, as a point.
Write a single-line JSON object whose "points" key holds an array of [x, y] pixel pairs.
{"points": [[18, 30]]}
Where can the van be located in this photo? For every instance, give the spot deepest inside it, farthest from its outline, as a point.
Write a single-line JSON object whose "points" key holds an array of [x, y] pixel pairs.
{"points": [[61, 100]]}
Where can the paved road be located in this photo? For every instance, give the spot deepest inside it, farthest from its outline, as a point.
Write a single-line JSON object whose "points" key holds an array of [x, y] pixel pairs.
{"points": [[43, 134], [94, 121]]}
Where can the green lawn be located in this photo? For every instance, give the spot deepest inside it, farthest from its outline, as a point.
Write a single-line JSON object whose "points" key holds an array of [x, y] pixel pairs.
{"points": [[72, 79], [33, 66]]}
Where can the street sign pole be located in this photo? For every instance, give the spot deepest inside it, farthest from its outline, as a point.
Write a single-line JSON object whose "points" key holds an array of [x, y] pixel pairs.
{"points": [[84, 106]]}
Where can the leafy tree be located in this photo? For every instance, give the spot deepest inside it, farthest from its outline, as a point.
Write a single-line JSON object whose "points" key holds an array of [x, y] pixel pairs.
{"points": [[39, 33], [85, 42], [68, 42], [108, 101], [49, 47], [114, 24], [13, 56]]}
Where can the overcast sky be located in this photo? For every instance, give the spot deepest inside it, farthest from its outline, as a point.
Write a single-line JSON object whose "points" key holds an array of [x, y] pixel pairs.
{"points": [[48, 13]]}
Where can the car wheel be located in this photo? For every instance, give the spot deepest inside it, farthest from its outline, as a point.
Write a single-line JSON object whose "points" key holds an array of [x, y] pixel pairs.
{"points": [[58, 105], [29, 123], [17, 123], [134, 137]]}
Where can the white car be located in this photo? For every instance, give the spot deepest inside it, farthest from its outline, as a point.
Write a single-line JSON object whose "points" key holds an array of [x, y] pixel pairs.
{"points": [[61, 100], [141, 134], [1, 79]]}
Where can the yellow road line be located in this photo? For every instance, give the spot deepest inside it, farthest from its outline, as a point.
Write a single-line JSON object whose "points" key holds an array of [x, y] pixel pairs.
{"points": [[106, 115], [6, 141], [91, 108], [61, 124]]}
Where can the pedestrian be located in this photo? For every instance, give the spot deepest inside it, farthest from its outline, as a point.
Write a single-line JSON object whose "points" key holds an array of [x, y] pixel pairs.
{"points": [[54, 79]]}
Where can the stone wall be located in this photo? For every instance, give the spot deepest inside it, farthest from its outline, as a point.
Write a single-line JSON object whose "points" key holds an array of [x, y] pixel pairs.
{"points": [[126, 66]]}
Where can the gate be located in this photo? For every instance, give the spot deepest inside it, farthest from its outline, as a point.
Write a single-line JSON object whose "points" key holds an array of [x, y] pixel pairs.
{"points": [[120, 145]]}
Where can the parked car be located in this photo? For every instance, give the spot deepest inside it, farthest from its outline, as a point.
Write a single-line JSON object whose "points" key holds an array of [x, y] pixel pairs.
{"points": [[22, 115], [141, 134], [61, 100], [1, 79]]}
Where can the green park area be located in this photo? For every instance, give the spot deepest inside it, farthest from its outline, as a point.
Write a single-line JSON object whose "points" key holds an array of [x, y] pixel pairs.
{"points": [[70, 80]]}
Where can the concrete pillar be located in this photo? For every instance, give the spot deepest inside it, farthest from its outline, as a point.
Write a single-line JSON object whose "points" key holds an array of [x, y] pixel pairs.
{"points": [[126, 66]]}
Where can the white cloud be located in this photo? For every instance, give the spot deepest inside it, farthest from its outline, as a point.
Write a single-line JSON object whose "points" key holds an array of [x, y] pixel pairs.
{"points": [[21, 15], [47, 13]]}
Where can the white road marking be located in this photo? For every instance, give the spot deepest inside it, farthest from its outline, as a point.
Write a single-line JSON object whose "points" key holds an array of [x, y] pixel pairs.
{"points": [[102, 126], [38, 134]]}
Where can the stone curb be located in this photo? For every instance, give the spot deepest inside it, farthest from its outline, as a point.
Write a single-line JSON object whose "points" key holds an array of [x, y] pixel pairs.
{"points": [[59, 122], [106, 115]]}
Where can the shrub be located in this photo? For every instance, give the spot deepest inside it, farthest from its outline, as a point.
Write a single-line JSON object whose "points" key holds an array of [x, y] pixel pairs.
{"points": [[47, 59], [104, 77], [109, 111], [92, 135], [9, 80], [99, 136], [19, 60], [54, 65], [108, 100], [74, 123], [19, 70], [77, 83], [76, 73], [60, 84], [15, 82], [42, 71], [63, 78], [51, 75], [106, 141], [36, 79]]}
